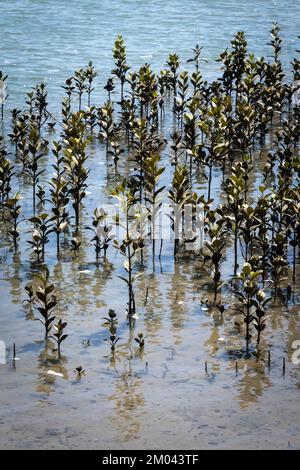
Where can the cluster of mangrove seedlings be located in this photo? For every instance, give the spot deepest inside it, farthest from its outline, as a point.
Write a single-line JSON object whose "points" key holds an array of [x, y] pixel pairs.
{"points": [[226, 165]]}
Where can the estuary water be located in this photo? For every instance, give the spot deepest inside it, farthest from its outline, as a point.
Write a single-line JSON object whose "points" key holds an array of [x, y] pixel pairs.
{"points": [[46, 40], [162, 397]]}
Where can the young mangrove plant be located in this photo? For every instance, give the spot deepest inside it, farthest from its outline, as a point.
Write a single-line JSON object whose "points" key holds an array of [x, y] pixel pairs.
{"points": [[35, 154], [90, 75], [113, 340], [179, 195], [215, 247], [101, 232], [74, 163], [152, 191], [42, 228], [59, 336], [111, 321], [246, 298], [6, 173], [140, 340], [260, 317], [59, 196], [13, 211], [46, 301], [131, 245], [121, 67]]}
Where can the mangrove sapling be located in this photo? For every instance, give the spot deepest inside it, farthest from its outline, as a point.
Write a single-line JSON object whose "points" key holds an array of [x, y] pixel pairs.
{"points": [[235, 187], [121, 67], [294, 234], [90, 75], [91, 117], [59, 336], [35, 154], [46, 301], [260, 318], [74, 163], [247, 297], [179, 195], [109, 87], [146, 90], [42, 228], [19, 132], [58, 195], [3, 93], [129, 247], [215, 247], [106, 123], [196, 59], [152, 191], [6, 173], [80, 85], [173, 63], [140, 340], [213, 124], [176, 146], [262, 240], [40, 104], [113, 340], [111, 321], [101, 232], [13, 218], [248, 228], [238, 57], [141, 145], [116, 151]]}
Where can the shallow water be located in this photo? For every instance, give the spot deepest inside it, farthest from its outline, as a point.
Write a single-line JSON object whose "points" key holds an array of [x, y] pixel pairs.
{"points": [[162, 398]]}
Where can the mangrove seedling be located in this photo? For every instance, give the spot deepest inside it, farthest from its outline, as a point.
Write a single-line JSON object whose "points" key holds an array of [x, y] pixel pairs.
{"points": [[59, 336], [113, 339], [260, 314], [101, 232], [247, 297], [90, 75], [74, 161], [215, 247], [140, 340], [35, 154], [79, 371], [129, 247], [111, 321], [121, 67], [46, 300], [42, 228], [75, 245], [13, 211]]}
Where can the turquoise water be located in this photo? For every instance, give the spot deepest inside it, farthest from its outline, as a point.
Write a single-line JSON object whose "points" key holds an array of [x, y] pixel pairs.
{"points": [[45, 40]]}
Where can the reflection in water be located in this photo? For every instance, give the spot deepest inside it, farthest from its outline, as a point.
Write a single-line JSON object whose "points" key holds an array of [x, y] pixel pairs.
{"points": [[129, 403], [252, 384], [47, 360]]}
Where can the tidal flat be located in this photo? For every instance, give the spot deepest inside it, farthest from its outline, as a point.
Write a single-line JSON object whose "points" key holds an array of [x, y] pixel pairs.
{"points": [[149, 226]]}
